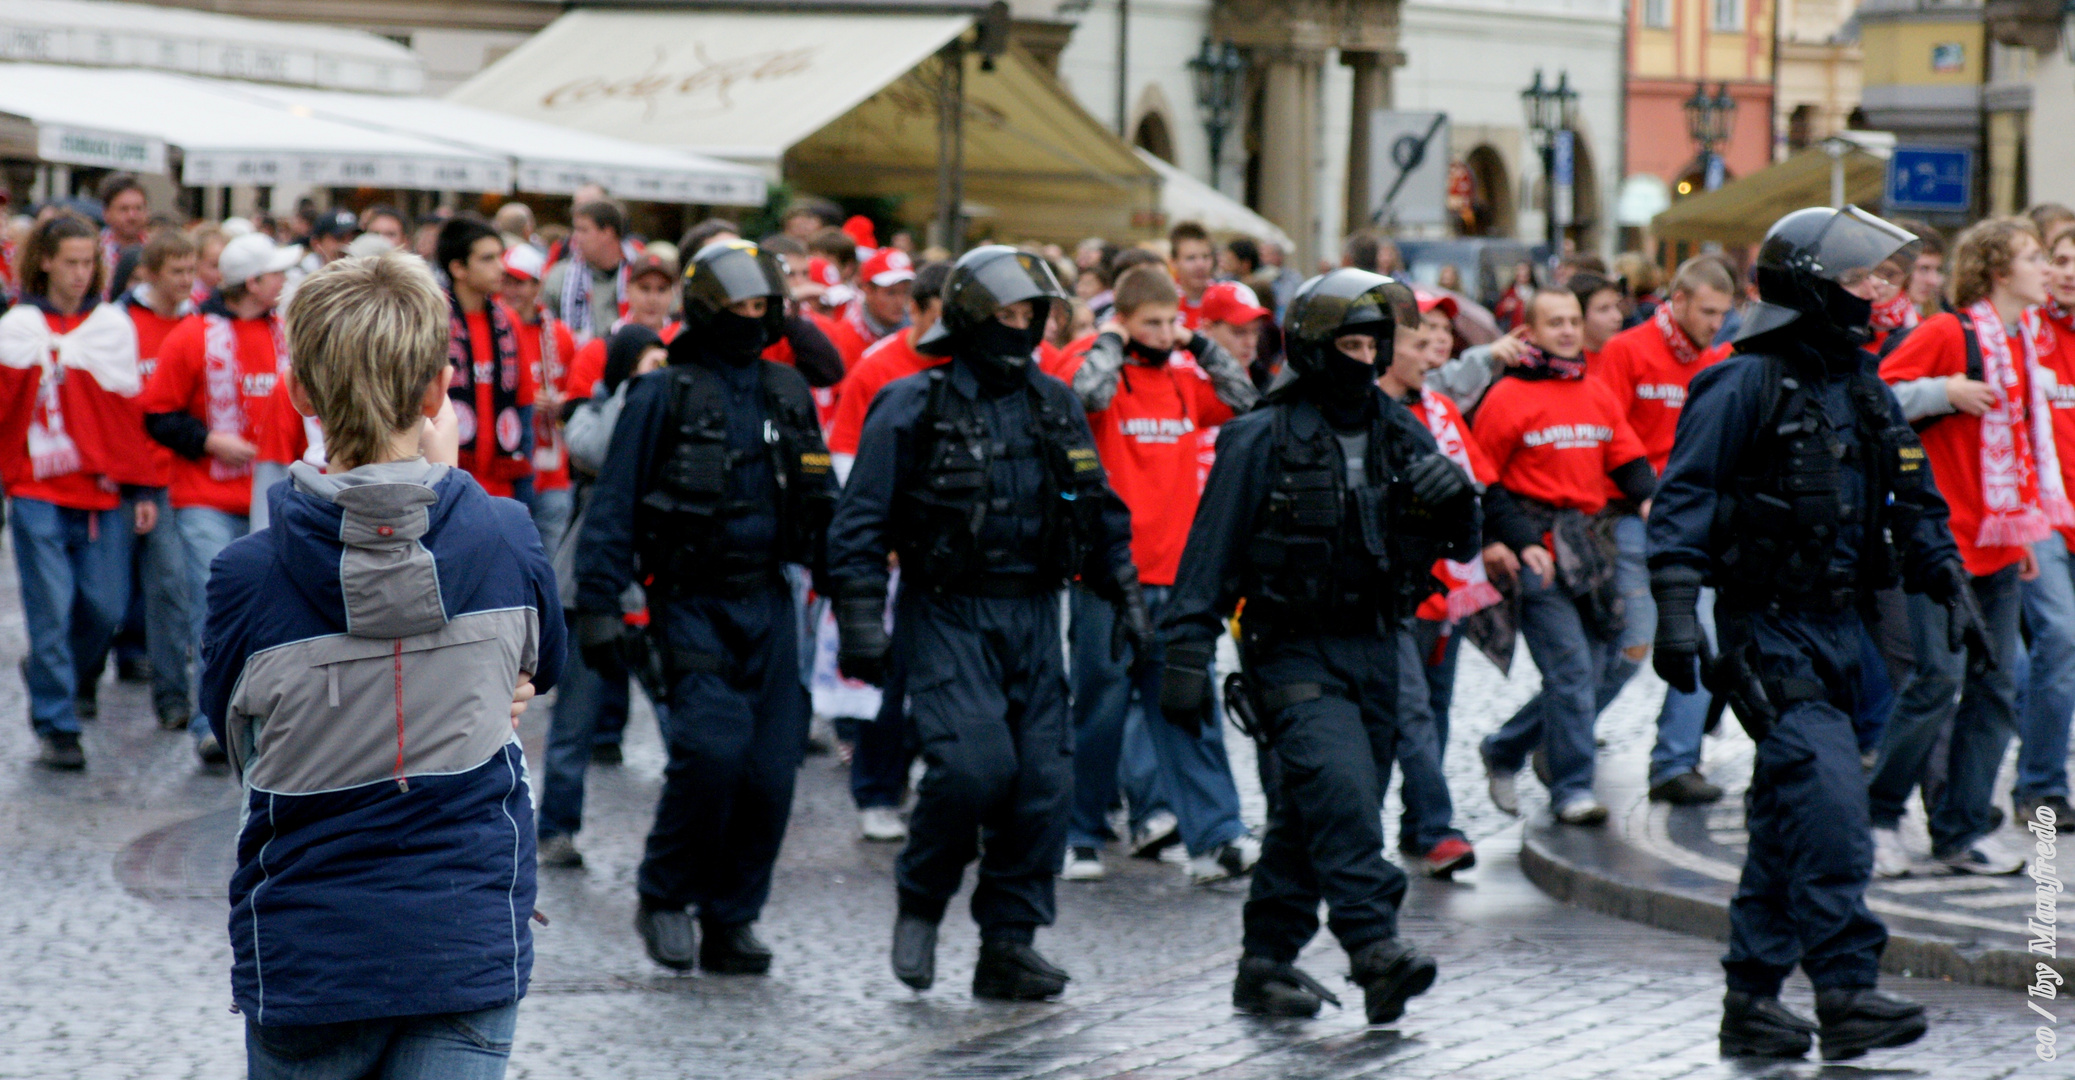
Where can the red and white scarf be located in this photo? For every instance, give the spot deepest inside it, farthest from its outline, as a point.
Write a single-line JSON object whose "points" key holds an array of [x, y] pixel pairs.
{"points": [[223, 378], [501, 374], [111, 253], [1469, 590], [1894, 313], [2022, 495], [1683, 348], [104, 347], [547, 435]]}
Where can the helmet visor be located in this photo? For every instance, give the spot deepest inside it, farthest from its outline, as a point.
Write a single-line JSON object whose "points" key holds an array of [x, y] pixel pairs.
{"points": [[729, 273], [1855, 243], [996, 283]]}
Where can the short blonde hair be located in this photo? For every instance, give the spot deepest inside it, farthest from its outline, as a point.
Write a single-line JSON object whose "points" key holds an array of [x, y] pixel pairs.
{"points": [[367, 334], [1984, 252]]}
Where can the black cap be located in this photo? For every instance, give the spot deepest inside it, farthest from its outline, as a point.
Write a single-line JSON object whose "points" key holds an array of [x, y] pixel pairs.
{"points": [[339, 222]]}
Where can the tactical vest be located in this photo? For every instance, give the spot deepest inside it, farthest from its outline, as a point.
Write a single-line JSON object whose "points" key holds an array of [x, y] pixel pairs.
{"points": [[1786, 508], [942, 514], [680, 522], [1321, 551]]}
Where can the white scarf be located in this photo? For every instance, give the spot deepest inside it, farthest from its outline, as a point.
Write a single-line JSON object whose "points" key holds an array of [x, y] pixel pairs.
{"points": [[576, 293], [2022, 493], [1469, 590], [104, 347]]}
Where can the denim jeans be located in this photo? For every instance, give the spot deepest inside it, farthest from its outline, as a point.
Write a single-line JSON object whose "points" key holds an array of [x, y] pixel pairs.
{"points": [[1983, 709], [1876, 693], [1438, 647], [156, 613], [204, 533], [551, 511], [446, 1046], [1194, 778], [75, 574], [2049, 603], [1560, 716], [1683, 715], [1632, 581], [583, 695], [1429, 814]]}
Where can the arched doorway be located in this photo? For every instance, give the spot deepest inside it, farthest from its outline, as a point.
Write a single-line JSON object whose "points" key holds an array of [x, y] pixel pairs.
{"points": [[1585, 198], [1491, 210], [1153, 137]]}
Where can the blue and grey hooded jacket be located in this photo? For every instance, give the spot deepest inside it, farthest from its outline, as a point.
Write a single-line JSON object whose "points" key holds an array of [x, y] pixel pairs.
{"points": [[358, 663]]}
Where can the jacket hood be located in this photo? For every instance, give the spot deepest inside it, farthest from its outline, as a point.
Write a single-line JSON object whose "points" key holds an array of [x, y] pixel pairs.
{"points": [[358, 545]]}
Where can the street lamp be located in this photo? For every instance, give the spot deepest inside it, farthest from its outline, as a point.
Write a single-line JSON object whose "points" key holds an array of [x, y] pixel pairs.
{"points": [[1217, 67], [1708, 120], [1551, 111]]}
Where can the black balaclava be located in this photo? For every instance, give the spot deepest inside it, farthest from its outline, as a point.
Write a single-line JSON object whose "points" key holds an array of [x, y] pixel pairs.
{"points": [[623, 351], [736, 340], [999, 354], [1344, 387]]}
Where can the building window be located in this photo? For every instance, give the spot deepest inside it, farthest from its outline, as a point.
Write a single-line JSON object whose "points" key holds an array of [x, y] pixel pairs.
{"points": [[1729, 16], [1657, 14], [1801, 125]]}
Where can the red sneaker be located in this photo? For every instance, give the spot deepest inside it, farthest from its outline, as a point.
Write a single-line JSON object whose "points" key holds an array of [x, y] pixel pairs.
{"points": [[1448, 856]]}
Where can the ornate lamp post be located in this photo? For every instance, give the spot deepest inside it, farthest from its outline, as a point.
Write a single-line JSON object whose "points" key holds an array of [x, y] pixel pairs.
{"points": [[1708, 120], [1551, 112], [1218, 68]]}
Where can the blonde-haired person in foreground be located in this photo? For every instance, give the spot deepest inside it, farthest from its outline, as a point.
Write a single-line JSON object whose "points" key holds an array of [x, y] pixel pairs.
{"points": [[364, 651]]}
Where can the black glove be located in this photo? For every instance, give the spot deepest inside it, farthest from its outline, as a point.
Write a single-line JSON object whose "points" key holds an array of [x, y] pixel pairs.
{"points": [[1677, 591], [1965, 626], [1185, 684], [598, 636], [1133, 626], [861, 637], [1436, 480]]}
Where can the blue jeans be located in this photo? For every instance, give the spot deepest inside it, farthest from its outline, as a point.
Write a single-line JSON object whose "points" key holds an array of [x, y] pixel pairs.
{"points": [[75, 573], [1683, 716], [1560, 716], [2049, 603], [1429, 813], [166, 601], [446, 1046], [1194, 778], [1876, 694], [1632, 581], [1438, 648], [204, 533], [1983, 709], [583, 695], [551, 512]]}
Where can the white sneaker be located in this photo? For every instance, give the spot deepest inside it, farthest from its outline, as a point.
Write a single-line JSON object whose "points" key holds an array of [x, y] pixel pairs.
{"points": [[1503, 794], [1890, 858], [882, 823], [1984, 856], [1228, 860], [1159, 832], [1583, 810], [1082, 864]]}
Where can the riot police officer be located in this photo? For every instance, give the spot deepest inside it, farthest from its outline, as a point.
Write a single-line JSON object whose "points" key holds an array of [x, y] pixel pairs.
{"points": [[1795, 478], [716, 476], [1325, 512], [982, 476]]}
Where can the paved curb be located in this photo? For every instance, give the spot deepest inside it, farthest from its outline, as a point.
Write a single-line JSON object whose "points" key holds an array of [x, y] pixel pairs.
{"points": [[1690, 903]]}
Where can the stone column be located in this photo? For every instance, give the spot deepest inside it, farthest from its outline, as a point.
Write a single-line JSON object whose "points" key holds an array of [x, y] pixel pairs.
{"points": [[1371, 92], [1290, 147]]}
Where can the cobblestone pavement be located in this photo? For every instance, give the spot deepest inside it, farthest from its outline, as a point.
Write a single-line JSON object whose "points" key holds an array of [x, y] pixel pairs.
{"points": [[115, 962]]}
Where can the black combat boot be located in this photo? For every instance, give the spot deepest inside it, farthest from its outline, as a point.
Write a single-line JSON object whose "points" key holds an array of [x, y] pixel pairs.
{"points": [[915, 951], [1389, 972], [1859, 1018], [670, 935], [1272, 988], [1013, 971], [1754, 1026], [734, 950]]}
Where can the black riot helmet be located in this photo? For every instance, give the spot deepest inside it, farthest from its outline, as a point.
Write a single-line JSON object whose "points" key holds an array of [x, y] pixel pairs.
{"points": [[1808, 264], [982, 282], [1337, 304], [729, 272]]}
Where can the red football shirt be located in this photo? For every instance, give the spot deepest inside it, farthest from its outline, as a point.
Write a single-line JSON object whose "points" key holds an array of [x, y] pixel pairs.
{"points": [[2057, 355], [1555, 440], [152, 329], [89, 415], [1649, 383], [488, 465], [181, 384], [892, 358], [1147, 440], [1938, 347]]}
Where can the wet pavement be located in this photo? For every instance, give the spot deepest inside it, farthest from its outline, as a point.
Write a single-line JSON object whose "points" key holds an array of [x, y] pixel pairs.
{"points": [[116, 964]]}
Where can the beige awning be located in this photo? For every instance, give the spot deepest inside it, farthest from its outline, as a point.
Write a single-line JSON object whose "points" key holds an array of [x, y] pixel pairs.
{"points": [[1741, 210], [839, 104]]}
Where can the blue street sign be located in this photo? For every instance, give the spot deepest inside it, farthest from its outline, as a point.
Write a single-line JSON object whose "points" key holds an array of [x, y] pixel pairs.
{"points": [[1934, 178]]}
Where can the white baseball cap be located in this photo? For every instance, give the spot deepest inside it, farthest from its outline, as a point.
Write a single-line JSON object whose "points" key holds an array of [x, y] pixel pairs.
{"points": [[253, 254], [525, 261]]}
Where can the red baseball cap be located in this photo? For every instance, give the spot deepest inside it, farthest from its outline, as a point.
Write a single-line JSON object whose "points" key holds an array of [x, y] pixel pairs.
{"points": [[859, 229], [890, 266], [1429, 301], [1232, 302], [824, 272]]}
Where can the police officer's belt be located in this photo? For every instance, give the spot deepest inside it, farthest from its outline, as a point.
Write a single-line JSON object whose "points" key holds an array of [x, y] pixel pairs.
{"points": [[1275, 699]]}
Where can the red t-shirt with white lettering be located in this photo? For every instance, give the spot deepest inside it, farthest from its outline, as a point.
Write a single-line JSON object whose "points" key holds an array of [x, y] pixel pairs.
{"points": [[1649, 383], [181, 384], [1147, 440], [1555, 440], [892, 358]]}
